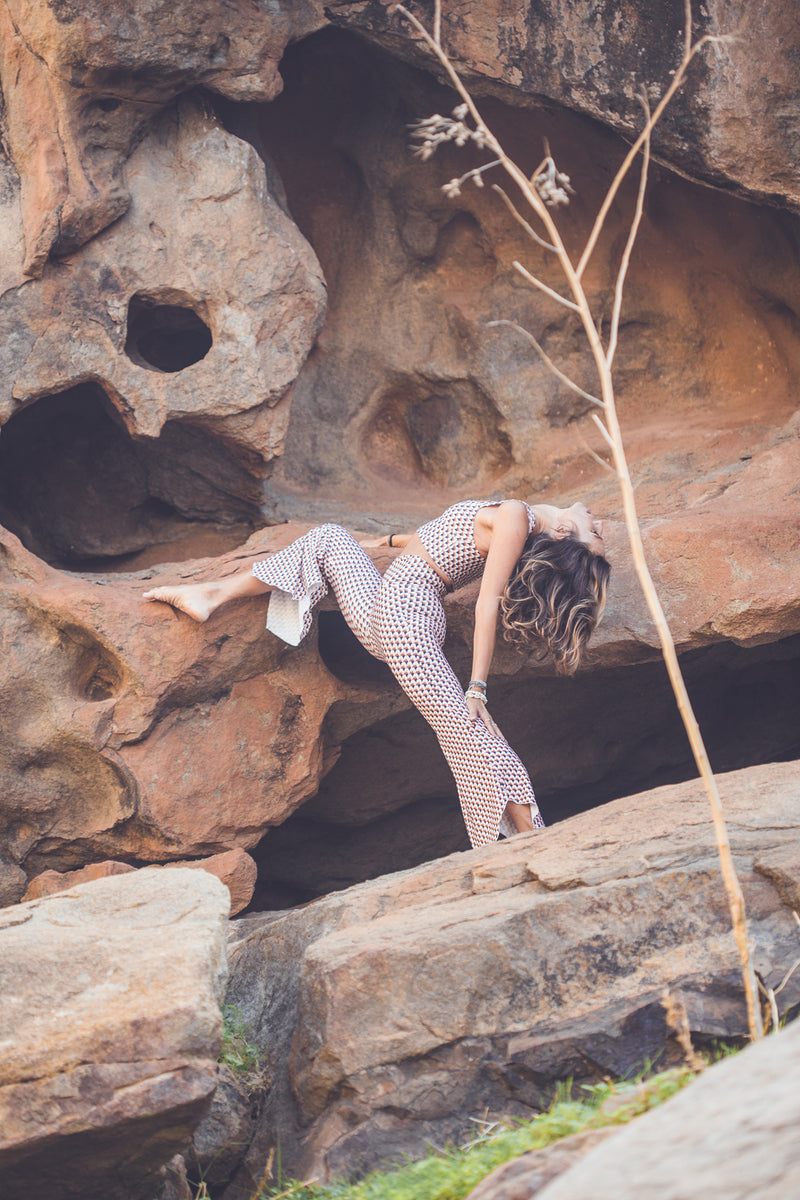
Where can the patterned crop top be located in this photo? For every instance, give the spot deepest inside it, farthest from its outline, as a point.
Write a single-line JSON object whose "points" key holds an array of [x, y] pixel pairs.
{"points": [[450, 540]]}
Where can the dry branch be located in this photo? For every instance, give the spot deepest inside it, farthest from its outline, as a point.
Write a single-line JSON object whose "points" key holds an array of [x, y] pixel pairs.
{"points": [[540, 191]]}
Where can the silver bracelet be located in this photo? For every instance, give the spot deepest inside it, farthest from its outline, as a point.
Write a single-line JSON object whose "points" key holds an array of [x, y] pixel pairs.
{"points": [[481, 683]]}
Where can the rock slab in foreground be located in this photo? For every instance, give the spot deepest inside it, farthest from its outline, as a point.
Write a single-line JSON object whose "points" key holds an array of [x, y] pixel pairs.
{"points": [[109, 1031], [419, 1001], [731, 1133]]}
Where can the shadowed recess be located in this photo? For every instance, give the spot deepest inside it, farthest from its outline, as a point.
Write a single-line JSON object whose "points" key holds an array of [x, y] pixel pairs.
{"points": [[389, 801], [165, 337], [80, 492]]}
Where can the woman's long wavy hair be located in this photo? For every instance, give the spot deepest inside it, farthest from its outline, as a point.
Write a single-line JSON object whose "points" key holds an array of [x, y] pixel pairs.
{"points": [[555, 598]]}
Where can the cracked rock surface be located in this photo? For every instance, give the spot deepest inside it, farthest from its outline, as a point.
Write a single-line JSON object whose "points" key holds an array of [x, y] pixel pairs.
{"points": [[110, 1029], [394, 1012]]}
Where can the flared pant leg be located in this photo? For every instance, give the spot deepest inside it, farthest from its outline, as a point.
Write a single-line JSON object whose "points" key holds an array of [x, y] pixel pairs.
{"points": [[409, 625], [327, 556]]}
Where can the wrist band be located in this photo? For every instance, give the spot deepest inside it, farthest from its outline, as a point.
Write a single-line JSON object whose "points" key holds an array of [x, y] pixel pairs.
{"points": [[477, 683], [475, 694], [391, 535]]}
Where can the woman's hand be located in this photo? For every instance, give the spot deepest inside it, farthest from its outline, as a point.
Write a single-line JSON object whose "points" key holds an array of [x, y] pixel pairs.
{"points": [[479, 712]]}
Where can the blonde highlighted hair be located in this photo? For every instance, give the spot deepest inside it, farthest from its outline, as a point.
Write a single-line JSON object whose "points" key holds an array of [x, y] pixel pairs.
{"points": [[555, 598]]}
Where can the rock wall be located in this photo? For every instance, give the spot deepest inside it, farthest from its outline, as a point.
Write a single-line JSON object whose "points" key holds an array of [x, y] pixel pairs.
{"points": [[174, 231]]}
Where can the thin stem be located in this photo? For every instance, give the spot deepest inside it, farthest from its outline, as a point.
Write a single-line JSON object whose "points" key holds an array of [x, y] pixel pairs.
{"points": [[564, 378], [634, 150], [518, 217], [496, 162], [787, 977], [543, 287], [602, 462], [604, 431], [626, 257]]}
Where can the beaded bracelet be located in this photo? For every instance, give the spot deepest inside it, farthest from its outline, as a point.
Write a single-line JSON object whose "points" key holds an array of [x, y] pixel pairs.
{"points": [[475, 694]]}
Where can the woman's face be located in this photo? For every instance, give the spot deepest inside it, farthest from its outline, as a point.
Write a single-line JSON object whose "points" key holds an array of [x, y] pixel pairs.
{"points": [[579, 521]]}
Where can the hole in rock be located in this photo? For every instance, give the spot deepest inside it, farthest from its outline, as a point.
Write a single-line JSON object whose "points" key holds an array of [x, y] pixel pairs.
{"points": [[81, 493], [389, 801], [165, 337]]}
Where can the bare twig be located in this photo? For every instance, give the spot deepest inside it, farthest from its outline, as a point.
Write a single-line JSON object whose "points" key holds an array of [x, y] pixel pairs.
{"points": [[678, 1020], [546, 358], [543, 287], [630, 157], [593, 454], [518, 217], [769, 995], [626, 257], [605, 433]]}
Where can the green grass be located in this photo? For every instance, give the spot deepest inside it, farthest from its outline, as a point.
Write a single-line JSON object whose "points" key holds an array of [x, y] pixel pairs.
{"points": [[238, 1053], [453, 1173]]}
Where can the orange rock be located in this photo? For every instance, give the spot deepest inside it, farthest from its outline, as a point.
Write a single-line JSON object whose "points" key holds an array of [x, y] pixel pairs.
{"points": [[50, 882], [466, 988], [111, 1028], [70, 132], [235, 868]]}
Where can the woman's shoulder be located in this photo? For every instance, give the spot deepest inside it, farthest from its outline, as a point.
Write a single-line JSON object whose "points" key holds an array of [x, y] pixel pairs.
{"points": [[515, 516]]}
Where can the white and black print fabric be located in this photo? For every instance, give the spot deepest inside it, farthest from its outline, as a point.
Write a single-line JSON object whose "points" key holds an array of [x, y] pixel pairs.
{"points": [[450, 540], [399, 618]]}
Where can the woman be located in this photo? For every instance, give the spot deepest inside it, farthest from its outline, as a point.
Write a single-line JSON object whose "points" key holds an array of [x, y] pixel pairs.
{"points": [[543, 571]]}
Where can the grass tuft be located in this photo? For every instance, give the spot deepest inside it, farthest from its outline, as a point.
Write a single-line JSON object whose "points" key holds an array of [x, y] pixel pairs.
{"points": [[238, 1053], [453, 1173]]}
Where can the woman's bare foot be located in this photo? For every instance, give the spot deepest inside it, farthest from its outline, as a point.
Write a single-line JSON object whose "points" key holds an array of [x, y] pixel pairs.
{"points": [[197, 600]]}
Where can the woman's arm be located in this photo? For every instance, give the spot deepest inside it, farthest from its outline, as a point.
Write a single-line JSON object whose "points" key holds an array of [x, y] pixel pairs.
{"points": [[508, 536]]}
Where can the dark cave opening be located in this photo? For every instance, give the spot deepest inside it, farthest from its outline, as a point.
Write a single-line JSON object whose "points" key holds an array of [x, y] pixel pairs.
{"points": [[165, 337], [82, 494], [389, 801]]}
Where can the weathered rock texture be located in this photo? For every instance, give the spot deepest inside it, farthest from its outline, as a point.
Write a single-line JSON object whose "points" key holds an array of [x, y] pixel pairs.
{"points": [[131, 732], [524, 1177], [732, 1133], [145, 380], [111, 754], [396, 1011], [220, 1141], [109, 1027], [145, 375], [81, 82], [734, 123], [411, 400]]}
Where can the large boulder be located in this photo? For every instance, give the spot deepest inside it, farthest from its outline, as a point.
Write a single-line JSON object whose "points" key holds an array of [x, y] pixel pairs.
{"points": [[727, 125], [732, 1133], [81, 83], [131, 732], [110, 1027], [396, 1012], [145, 377]]}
